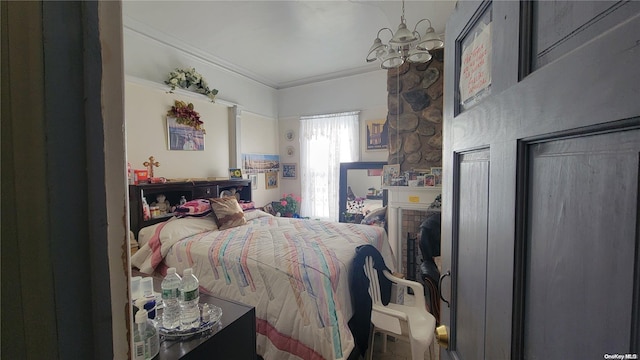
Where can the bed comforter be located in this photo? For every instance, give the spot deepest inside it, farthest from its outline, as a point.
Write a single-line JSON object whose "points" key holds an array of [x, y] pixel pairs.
{"points": [[293, 271]]}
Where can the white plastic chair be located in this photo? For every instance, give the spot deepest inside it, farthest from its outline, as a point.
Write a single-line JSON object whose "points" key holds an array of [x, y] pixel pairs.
{"points": [[412, 323]]}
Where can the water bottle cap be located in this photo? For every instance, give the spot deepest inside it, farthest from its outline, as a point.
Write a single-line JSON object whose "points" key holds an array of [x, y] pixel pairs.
{"points": [[141, 316], [188, 271], [171, 270]]}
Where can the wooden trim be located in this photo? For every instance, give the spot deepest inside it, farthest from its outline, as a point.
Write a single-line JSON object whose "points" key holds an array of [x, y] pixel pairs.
{"points": [[520, 256], [635, 302], [526, 41], [29, 314]]}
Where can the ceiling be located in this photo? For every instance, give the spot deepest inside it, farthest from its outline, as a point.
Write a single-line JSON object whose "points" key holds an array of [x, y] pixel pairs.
{"points": [[280, 43]]}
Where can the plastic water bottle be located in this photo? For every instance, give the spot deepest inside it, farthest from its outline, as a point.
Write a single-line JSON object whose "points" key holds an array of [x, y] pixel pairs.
{"points": [[189, 297], [146, 340], [170, 293], [138, 335]]}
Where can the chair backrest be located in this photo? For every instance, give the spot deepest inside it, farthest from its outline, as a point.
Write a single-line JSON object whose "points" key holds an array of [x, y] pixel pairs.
{"points": [[374, 284], [379, 317]]}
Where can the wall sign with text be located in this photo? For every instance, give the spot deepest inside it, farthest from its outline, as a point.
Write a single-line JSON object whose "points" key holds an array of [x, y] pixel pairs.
{"points": [[475, 62]]}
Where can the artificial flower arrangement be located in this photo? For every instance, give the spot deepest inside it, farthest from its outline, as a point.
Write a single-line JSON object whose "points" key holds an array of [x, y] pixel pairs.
{"points": [[185, 115], [190, 79], [355, 206], [354, 210], [288, 206]]}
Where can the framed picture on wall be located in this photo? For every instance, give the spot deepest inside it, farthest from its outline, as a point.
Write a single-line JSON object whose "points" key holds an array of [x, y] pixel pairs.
{"points": [[289, 135], [184, 137], [254, 181], [271, 180], [289, 171], [377, 134]]}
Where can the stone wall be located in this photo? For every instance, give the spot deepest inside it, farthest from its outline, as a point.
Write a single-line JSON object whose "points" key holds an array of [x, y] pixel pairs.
{"points": [[415, 114]]}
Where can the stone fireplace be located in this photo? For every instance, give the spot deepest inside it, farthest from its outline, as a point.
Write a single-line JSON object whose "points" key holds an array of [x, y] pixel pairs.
{"points": [[414, 121], [415, 114]]}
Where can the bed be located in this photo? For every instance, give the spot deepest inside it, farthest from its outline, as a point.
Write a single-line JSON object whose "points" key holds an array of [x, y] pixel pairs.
{"points": [[293, 271]]}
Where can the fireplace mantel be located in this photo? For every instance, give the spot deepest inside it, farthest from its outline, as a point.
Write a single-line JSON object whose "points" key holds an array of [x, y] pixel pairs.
{"points": [[405, 198]]}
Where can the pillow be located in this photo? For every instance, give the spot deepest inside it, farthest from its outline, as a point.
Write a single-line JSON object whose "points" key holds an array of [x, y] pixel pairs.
{"points": [[376, 217], [227, 212], [197, 207], [247, 205]]}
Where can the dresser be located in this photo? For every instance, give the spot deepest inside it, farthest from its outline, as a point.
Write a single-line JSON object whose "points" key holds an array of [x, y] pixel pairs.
{"points": [[173, 191]]}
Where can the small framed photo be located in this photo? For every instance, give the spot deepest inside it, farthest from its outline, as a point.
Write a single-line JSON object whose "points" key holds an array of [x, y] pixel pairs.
{"points": [[254, 181], [389, 174], [429, 180], [291, 151], [235, 173], [289, 135], [271, 180], [289, 171], [437, 173]]}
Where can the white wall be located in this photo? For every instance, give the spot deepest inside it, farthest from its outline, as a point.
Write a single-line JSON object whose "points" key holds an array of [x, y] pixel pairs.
{"points": [[259, 135], [146, 133], [364, 92]]}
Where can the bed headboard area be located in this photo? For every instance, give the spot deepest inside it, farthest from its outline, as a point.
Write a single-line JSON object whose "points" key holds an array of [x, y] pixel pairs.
{"points": [[174, 191]]}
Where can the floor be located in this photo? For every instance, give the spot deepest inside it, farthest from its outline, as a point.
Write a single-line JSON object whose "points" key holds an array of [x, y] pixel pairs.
{"points": [[399, 350]]}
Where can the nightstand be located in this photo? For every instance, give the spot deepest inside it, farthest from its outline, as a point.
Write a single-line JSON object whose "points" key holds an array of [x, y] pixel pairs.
{"points": [[234, 338]]}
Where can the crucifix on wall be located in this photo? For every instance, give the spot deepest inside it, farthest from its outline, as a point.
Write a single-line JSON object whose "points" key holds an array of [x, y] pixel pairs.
{"points": [[150, 164]]}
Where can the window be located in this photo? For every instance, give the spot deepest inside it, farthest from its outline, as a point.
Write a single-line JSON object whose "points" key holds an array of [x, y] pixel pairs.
{"points": [[325, 142]]}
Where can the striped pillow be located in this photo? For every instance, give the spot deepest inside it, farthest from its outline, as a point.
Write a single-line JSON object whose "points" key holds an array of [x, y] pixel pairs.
{"points": [[227, 212]]}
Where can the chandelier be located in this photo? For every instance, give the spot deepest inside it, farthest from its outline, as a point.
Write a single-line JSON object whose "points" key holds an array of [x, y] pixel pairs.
{"points": [[404, 45]]}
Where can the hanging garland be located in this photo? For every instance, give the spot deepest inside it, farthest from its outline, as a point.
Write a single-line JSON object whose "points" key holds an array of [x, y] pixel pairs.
{"points": [[189, 79]]}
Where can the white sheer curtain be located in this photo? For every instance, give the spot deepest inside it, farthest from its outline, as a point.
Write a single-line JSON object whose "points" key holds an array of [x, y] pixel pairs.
{"points": [[325, 142]]}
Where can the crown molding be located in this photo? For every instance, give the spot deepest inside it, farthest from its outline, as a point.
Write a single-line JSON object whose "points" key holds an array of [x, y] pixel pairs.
{"points": [[141, 29], [165, 39]]}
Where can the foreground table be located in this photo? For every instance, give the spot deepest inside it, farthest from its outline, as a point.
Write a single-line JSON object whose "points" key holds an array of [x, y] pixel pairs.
{"points": [[233, 338]]}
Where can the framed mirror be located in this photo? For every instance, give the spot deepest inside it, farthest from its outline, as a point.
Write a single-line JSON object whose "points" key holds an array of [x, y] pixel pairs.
{"points": [[362, 181]]}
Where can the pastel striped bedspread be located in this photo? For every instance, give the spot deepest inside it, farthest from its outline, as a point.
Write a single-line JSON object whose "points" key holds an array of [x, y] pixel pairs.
{"points": [[293, 271]]}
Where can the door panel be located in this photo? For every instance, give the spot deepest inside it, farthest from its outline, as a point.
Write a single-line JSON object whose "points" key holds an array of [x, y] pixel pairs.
{"points": [[582, 241], [551, 267], [471, 249], [561, 26]]}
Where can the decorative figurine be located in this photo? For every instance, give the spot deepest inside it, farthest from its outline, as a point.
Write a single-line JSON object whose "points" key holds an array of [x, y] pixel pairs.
{"points": [[162, 203]]}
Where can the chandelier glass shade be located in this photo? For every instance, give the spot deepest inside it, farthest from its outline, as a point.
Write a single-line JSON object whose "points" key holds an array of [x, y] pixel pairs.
{"points": [[404, 45]]}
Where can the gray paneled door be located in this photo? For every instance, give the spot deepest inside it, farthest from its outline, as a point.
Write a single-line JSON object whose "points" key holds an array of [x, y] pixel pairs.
{"points": [[541, 199]]}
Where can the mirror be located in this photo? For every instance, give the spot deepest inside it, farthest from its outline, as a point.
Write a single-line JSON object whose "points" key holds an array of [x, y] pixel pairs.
{"points": [[361, 180]]}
